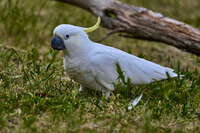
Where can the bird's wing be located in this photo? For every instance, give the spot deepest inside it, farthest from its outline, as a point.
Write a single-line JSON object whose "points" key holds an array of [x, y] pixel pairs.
{"points": [[139, 70], [103, 68]]}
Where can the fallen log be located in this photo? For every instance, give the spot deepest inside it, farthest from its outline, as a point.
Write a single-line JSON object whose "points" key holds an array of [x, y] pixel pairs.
{"points": [[142, 23]]}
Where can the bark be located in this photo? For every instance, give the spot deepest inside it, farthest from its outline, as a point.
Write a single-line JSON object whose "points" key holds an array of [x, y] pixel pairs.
{"points": [[142, 23]]}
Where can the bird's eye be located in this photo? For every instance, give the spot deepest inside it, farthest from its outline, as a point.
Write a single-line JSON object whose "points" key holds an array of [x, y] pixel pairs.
{"points": [[66, 36]]}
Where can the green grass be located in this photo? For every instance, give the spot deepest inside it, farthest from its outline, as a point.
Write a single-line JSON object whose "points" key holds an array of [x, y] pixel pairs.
{"points": [[37, 96]]}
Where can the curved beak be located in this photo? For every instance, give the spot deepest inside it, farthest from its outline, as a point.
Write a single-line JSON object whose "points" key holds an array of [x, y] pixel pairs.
{"points": [[57, 43]]}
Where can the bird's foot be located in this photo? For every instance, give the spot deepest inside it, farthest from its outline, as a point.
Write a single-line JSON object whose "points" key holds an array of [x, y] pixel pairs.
{"points": [[82, 89], [106, 94]]}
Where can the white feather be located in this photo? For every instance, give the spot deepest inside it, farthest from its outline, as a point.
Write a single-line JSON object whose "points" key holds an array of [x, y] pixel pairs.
{"points": [[135, 102]]}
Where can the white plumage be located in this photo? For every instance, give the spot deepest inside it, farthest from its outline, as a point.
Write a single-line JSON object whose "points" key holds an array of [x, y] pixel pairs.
{"points": [[93, 65]]}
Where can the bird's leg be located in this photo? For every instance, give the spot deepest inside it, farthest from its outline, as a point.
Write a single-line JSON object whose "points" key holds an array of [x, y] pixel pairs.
{"points": [[81, 89], [106, 94]]}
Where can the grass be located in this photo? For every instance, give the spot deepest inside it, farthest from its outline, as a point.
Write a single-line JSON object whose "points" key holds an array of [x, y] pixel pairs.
{"points": [[37, 96]]}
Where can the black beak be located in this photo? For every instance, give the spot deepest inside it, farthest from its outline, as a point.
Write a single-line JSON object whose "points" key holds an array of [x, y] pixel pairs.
{"points": [[57, 43]]}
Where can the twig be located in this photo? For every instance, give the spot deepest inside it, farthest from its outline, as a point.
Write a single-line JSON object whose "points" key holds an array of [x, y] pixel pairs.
{"points": [[109, 34]]}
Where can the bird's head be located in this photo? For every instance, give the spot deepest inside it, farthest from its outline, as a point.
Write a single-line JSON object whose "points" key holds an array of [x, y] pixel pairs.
{"points": [[65, 35]]}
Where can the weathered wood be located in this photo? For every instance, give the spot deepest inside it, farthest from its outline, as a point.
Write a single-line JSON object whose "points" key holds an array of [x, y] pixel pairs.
{"points": [[142, 23]]}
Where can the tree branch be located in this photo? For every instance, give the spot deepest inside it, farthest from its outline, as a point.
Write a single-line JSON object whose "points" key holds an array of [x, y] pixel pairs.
{"points": [[142, 23]]}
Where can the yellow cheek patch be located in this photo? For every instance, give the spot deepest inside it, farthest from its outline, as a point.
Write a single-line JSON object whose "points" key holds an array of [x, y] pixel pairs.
{"points": [[77, 39]]}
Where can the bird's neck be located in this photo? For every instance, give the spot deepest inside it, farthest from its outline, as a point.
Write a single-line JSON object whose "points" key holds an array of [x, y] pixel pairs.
{"points": [[78, 49]]}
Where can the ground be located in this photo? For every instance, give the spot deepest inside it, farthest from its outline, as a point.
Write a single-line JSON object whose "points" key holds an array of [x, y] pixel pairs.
{"points": [[37, 96]]}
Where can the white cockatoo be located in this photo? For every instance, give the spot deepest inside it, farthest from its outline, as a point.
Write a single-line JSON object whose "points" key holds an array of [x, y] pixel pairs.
{"points": [[93, 65]]}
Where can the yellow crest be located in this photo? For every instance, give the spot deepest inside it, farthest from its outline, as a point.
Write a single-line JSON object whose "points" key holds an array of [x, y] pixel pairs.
{"points": [[93, 28]]}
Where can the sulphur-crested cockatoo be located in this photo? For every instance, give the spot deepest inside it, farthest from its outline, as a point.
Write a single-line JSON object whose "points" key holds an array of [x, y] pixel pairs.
{"points": [[93, 65]]}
